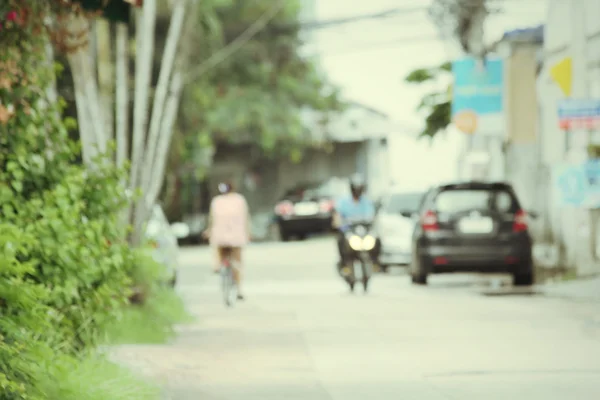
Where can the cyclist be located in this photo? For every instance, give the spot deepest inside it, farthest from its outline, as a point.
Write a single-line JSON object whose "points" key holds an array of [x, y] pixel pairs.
{"points": [[229, 228], [355, 206]]}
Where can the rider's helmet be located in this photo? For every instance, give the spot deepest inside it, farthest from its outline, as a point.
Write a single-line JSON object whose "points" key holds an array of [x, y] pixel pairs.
{"points": [[357, 185], [225, 187]]}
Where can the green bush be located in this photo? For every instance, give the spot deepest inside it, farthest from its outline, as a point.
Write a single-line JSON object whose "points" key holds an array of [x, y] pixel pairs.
{"points": [[153, 320], [23, 314], [65, 269], [64, 274]]}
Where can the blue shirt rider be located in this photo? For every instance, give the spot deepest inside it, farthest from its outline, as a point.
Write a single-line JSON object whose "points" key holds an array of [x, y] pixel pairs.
{"points": [[357, 206], [351, 208]]}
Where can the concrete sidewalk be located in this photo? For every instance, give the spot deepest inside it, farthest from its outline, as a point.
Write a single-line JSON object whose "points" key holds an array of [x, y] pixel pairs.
{"points": [[587, 289]]}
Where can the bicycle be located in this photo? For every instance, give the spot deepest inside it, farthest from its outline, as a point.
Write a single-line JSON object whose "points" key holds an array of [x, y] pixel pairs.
{"points": [[227, 280]]}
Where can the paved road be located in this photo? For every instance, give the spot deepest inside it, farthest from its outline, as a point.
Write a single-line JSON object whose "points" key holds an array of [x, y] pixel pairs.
{"points": [[301, 335]]}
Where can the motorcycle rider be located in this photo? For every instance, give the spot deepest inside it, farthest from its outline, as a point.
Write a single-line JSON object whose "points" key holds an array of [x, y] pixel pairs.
{"points": [[355, 206]]}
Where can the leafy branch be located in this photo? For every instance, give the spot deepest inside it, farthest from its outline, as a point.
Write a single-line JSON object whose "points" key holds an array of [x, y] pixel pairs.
{"points": [[437, 105]]}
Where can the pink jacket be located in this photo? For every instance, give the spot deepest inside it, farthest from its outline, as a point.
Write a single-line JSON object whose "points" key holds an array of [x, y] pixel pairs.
{"points": [[230, 219]]}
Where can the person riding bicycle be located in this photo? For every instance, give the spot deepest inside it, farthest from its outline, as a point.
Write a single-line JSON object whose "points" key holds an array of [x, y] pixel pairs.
{"points": [[353, 207], [229, 228]]}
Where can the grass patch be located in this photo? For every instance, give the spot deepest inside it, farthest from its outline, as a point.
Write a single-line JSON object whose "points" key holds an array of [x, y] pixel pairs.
{"points": [[150, 323], [570, 274], [93, 377]]}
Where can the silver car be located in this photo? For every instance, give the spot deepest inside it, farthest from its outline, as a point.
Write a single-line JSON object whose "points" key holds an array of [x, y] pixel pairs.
{"points": [[394, 226], [163, 238]]}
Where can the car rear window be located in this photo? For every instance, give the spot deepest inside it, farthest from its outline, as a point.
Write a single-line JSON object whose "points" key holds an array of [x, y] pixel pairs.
{"points": [[403, 202], [460, 200]]}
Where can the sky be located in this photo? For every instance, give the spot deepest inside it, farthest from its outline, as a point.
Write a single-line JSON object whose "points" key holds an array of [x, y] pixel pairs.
{"points": [[369, 60]]}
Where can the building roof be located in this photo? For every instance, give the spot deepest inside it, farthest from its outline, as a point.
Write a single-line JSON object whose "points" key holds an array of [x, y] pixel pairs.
{"points": [[369, 108], [533, 34]]}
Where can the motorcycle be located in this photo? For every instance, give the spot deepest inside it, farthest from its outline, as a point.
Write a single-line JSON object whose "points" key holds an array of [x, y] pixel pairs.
{"points": [[359, 246]]}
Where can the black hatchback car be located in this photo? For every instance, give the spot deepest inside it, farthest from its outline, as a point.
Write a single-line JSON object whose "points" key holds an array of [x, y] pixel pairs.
{"points": [[472, 227]]}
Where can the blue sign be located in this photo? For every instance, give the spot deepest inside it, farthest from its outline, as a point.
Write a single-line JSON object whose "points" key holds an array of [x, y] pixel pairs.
{"points": [[478, 89], [579, 113], [579, 184], [570, 182], [578, 108], [592, 179]]}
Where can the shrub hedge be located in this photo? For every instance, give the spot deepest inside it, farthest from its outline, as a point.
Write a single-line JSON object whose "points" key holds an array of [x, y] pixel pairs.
{"points": [[65, 270]]}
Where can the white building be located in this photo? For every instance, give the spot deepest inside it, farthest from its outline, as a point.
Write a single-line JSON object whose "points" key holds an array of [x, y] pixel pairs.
{"points": [[572, 30]]}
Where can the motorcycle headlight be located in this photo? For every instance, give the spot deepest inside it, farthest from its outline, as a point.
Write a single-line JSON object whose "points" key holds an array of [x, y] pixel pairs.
{"points": [[355, 242], [366, 243]]}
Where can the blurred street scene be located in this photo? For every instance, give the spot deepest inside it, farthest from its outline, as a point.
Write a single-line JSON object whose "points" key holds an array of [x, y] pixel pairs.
{"points": [[409, 190], [301, 335]]}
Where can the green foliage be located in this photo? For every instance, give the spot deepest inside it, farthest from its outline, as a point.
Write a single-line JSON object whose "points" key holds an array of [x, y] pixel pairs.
{"points": [[152, 321], [256, 96], [93, 377], [65, 270], [437, 105]]}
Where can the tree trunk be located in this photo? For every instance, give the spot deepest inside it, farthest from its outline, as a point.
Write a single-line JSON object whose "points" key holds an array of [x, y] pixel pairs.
{"points": [[160, 96], [105, 73], [89, 115], [156, 133], [86, 132], [122, 93], [122, 104], [93, 103], [146, 22], [166, 133]]}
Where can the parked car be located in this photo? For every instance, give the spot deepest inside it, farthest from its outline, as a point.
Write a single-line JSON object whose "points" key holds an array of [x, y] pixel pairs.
{"points": [[163, 238], [196, 224], [394, 226], [306, 209], [472, 227]]}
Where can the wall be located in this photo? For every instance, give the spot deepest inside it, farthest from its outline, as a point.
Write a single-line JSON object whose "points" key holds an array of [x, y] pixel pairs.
{"points": [[572, 30], [522, 149], [378, 167]]}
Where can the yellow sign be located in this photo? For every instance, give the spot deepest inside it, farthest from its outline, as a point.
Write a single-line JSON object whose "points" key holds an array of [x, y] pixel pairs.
{"points": [[562, 74], [466, 121]]}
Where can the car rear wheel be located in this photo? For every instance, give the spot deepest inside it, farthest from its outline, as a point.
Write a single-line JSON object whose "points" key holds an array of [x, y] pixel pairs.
{"points": [[285, 237], [523, 279], [417, 273], [419, 278], [279, 234]]}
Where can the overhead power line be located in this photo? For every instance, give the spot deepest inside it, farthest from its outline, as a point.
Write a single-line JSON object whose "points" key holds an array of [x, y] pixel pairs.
{"points": [[262, 22], [390, 44], [282, 28], [239, 42], [392, 12]]}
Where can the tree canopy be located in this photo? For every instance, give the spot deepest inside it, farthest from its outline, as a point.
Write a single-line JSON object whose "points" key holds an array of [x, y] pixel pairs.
{"points": [[437, 105], [257, 95]]}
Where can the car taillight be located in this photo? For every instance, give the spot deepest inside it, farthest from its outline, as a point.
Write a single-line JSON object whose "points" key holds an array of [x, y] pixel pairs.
{"points": [[520, 222], [326, 206], [284, 208], [429, 221]]}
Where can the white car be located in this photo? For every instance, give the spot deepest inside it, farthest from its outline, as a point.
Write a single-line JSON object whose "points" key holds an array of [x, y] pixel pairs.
{"points": [[394, 226], [163, 238]]}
